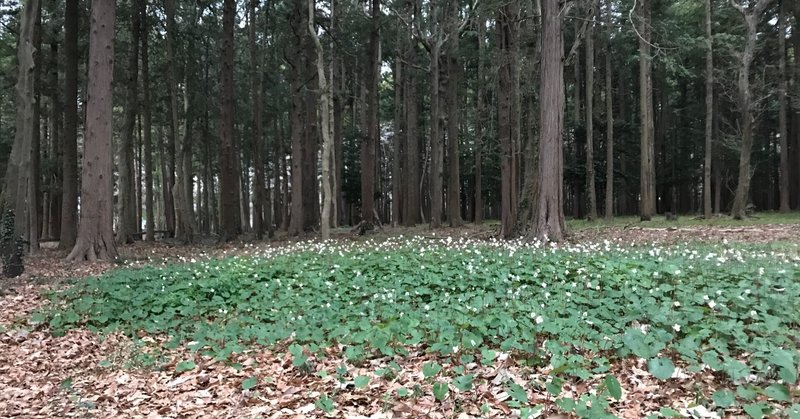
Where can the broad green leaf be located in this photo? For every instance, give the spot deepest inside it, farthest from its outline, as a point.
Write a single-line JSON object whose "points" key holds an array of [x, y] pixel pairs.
{"points": [[661, 368], [747, 392], [723, 398], [325, 404], [613, 386], [185, 366], [361, 381], [249, 383], [778, 392], [755, 410], [670, 413], [518, 393], [430, 369], [440, 390], [464, 382]]}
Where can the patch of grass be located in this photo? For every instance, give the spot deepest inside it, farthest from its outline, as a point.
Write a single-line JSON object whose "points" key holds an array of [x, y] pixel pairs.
{"points": [[730, 308], [688, 220]]}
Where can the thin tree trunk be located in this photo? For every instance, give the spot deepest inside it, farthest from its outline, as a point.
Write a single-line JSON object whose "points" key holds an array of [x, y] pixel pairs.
{"points": [[609, 206], [370, 143], [647, 184], [297, 80], [479, 121], [127, 213], [709, 134], [229, 227], [258, 130], [55, 141], [745, 101], [453, 121], [506, 39], [147, 136], [782, 130], [399, 132], [590, 181]]}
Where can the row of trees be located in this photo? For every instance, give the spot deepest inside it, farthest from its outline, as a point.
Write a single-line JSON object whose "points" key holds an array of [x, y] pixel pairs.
{"points": [[229, 117]]}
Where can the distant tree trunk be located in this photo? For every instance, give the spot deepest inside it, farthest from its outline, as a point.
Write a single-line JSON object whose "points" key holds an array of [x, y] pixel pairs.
{"points": [[796, 101], [507, 38], [325, 128], [479, 120], [609, 207], [370, 143], [337, 84], [229, 227], [147, 136], [172, 84], [258, 140], [709, 131], [453, 121], [297, 83], [412, 157], [745, 102], [69, 193], [647, 182], [782, 129], [127, 211], [95, 234], [397, 138], [54, 229], [548, 221], [590, 181], [35, 180]]}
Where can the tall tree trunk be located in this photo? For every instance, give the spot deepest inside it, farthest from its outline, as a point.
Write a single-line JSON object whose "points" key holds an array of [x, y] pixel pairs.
{"points": [[745, 101], [548, 221], [147, 136], [69, 194], [507, 39], [609, 206], [127, 212], [399, 132], [479, 120], [18, 187], [782, 130], [35, 180], [297, 83], [647, 182], [412, 175], [172, 84], [229, 227], [590, 181], [55, 140], [258, 130], [453, 121], [796, 101], [95, 234], [709, 131], [325, 127], [338, 85], [370, 143]]}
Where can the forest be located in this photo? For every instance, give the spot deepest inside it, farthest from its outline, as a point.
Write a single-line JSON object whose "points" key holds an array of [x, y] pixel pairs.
{"points": [[400, 208], [226, 118]]}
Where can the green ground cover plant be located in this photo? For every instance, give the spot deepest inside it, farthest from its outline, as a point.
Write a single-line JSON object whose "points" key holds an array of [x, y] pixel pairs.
{"points": [[573, 310]]}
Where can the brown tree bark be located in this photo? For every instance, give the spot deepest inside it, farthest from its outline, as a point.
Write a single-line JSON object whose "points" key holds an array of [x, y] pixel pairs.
{"points": [[69, 194], [782, 129], [453, 121], [647, 182], [709, 130], [297, 82], [325, 128], [479, 120], [229, 227], [750, 16], [548, 221], [258, 129], [399, 132], [412, 157], [57, 109], [609, 206], [590, 181], [127, 211], [507, 38], [147, 132], [95, 234], [368, 146]]}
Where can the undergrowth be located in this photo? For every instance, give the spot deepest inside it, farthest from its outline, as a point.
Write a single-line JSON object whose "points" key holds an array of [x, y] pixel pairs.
{"points": [[575, 309]]}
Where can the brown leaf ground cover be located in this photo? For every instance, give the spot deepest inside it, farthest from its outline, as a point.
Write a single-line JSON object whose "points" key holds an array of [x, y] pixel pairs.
{"points": [[82, 374]]}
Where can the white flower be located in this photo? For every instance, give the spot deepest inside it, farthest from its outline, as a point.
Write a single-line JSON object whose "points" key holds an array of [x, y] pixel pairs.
{"points": [[455, 349], [676, 327], [539, 320], [676, 303], [712, 304], [753, 313]]}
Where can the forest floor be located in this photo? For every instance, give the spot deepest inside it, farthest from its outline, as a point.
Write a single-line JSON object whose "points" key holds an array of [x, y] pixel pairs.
{"points": [[51, 367]]}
